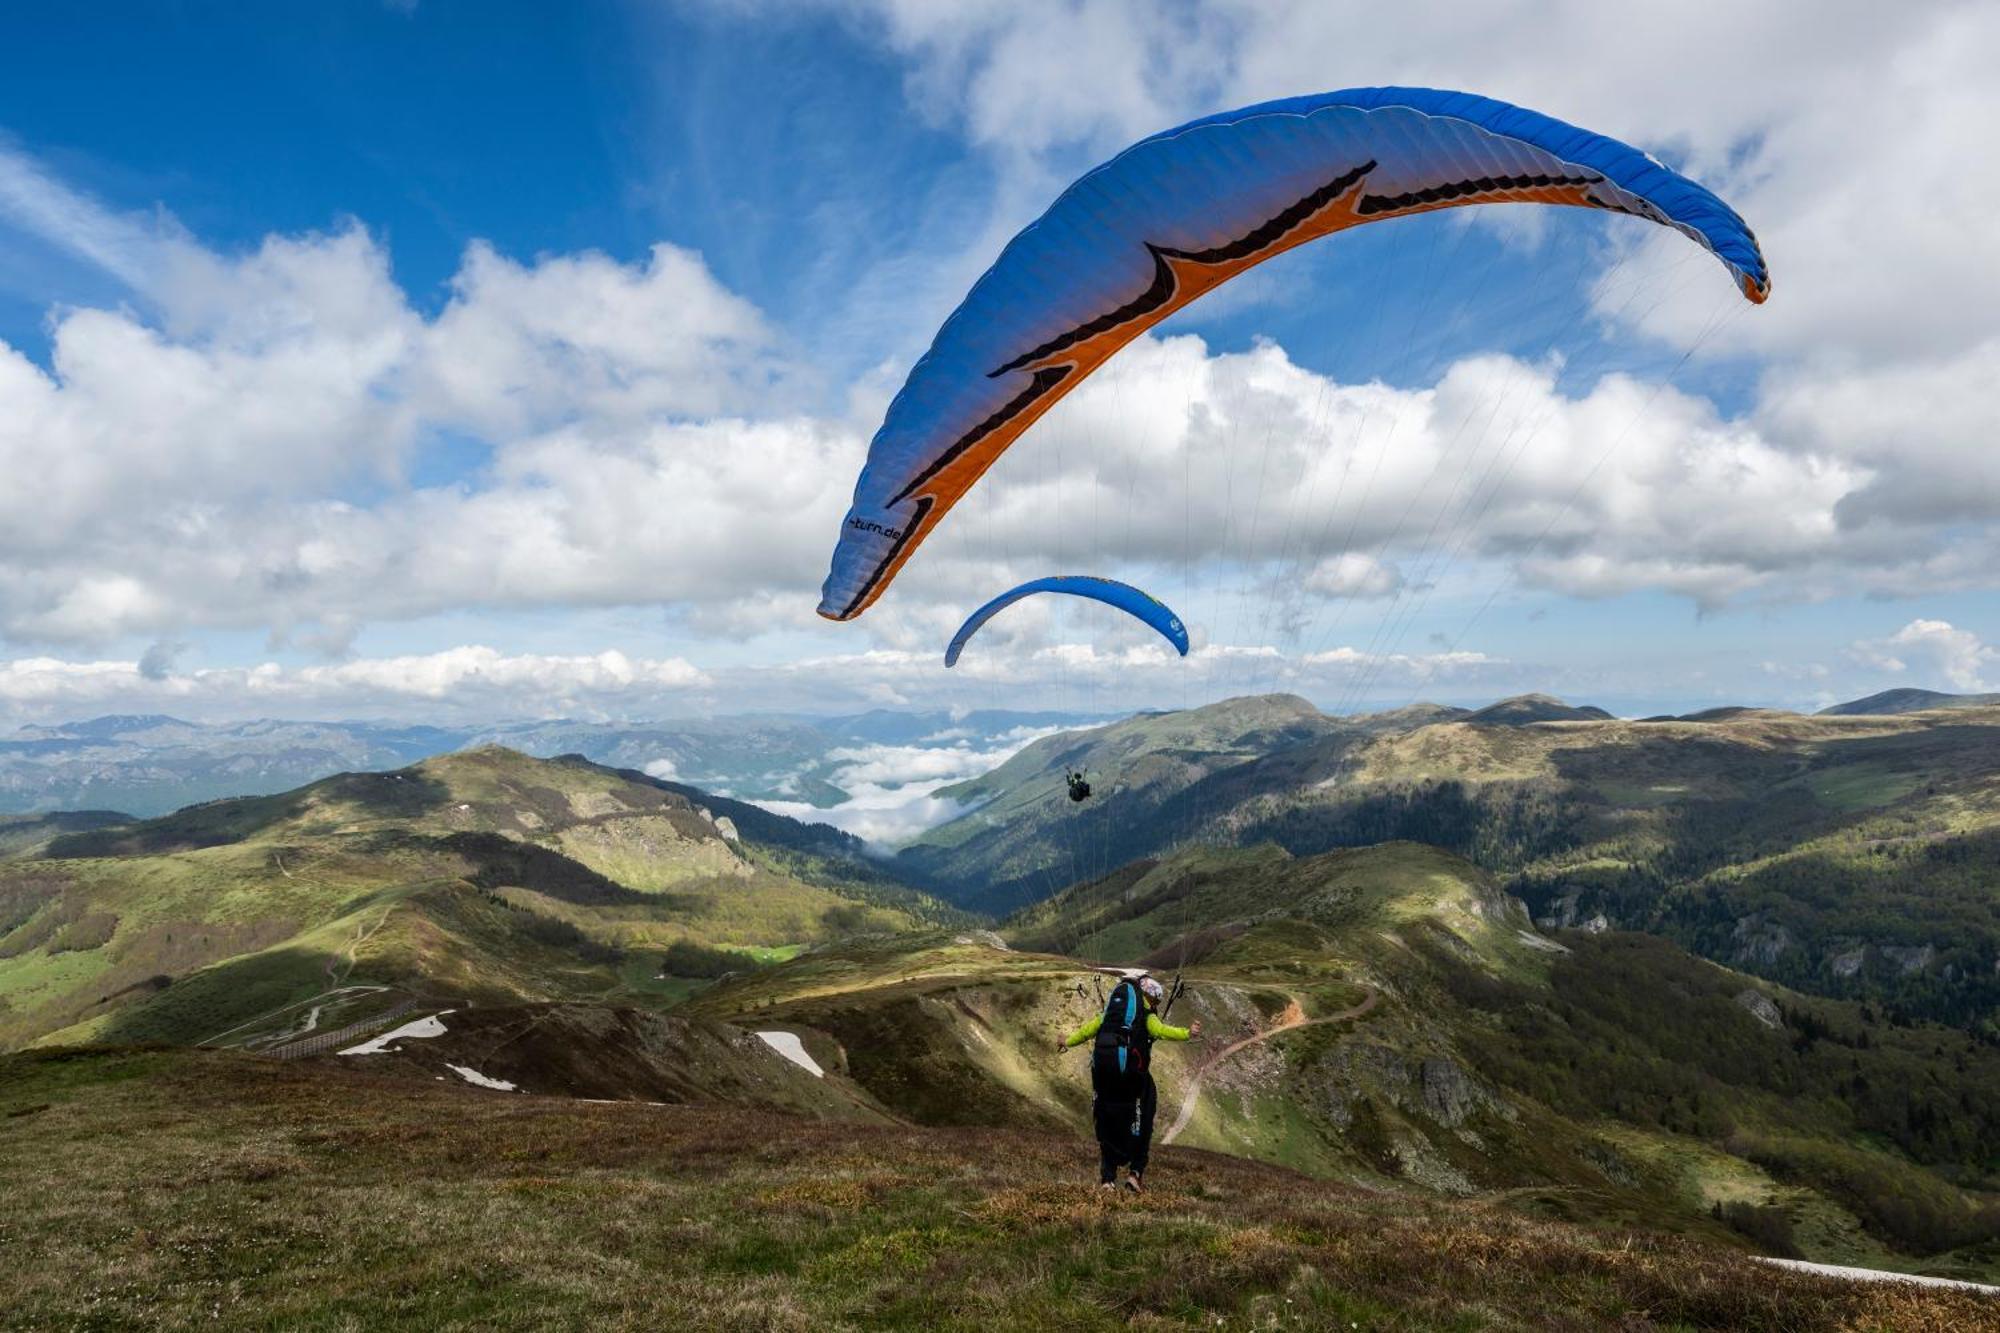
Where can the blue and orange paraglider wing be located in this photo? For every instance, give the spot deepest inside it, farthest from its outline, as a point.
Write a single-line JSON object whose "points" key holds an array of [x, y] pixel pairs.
{"points": [[1108, 591], [1176, 215]]}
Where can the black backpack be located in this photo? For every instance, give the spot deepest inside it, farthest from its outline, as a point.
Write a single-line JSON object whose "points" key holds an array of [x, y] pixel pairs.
{"points": [[1118, 1061]]}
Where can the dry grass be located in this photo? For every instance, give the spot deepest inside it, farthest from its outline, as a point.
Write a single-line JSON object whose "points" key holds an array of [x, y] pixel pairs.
{"points": [[171, 1190]]}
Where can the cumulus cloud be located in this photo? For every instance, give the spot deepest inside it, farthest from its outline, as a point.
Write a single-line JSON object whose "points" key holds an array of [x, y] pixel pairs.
{"points": [[1351, 574], [1364, 491], [235, 460], [1934, 650], [169, 485]]}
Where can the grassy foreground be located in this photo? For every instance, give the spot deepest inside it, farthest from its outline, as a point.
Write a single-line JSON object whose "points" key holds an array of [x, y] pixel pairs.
{"points": [[170, 1189]]}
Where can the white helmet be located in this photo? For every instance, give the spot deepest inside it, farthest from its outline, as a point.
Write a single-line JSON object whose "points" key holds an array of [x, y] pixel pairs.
{"points": [[1154, 990]]}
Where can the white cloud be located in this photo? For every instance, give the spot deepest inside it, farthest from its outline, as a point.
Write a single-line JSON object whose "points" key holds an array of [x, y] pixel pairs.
{"points": [[1337, 490], [1935, 650], [523, 347], [891, 789], [1352, 574], [236, 461], [469, 681]]}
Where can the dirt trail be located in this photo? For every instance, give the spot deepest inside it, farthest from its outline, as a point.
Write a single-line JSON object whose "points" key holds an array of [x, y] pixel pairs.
{"points": [[1293, 1017], [362, 932]]}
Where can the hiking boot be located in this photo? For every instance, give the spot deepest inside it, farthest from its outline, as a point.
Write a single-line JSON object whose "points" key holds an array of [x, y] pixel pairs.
{"points": [[1133, 1183]]}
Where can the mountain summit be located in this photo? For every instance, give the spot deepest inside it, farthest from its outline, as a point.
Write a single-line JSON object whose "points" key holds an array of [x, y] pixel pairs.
{"points": [[1525, 709], [1907, 701]]}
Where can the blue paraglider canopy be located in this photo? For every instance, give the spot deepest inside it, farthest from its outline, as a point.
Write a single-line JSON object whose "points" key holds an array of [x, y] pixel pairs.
{"points": [[1111, 592], [1178, 214]]}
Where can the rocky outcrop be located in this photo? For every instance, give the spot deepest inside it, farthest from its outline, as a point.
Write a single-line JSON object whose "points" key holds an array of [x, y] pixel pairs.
{"points": [[1908, 959], [1565, 912], [1760, 1008], [1449, 1094], [1435, 1087], [1760, 942]]}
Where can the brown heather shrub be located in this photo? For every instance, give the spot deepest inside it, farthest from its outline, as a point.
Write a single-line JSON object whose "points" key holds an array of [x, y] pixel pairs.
{"points": [[842, 1194]]}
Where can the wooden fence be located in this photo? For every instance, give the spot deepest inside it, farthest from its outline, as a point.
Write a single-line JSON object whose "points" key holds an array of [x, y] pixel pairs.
{"points": [[319, 1042]]}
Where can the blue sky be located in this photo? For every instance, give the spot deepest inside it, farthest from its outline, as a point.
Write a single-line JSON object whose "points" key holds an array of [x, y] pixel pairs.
{"points": [[403, 358]]}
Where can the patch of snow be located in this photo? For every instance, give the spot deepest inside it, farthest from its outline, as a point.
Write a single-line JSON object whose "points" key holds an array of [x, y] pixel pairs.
{"points": [[788, 1045], [1876, 1275], [477, 1079], [422, 1027], [1543, 942]]}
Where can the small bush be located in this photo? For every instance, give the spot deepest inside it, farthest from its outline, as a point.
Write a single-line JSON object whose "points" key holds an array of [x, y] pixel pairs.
{"points": [[685, 958], [1769, 1225], [558, 934], [90, 931]]}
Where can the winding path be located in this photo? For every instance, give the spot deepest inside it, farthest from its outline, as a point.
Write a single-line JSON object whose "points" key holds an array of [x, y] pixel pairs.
{"points": [[1292, 1018]]}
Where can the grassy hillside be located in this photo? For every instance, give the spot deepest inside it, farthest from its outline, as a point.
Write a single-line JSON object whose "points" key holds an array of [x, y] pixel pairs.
{"points": [[1393, 1020], [1024, 838], [483, 876], [1848, 855], [176, 1190]]}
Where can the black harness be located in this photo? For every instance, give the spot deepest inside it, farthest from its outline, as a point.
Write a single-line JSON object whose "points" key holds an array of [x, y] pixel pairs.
{"points": [[1124, 1049]]}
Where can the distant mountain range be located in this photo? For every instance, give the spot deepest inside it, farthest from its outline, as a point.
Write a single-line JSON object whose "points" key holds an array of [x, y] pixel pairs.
{"points": [[151, 764]]}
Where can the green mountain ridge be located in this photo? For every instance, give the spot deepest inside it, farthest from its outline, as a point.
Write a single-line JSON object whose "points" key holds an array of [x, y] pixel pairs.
{"points": [[483, 875], [1846, 855]]}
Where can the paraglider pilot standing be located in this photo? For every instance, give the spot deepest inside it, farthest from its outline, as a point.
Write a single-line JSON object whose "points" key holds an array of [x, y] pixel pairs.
{"points": [[1121, 1077]]}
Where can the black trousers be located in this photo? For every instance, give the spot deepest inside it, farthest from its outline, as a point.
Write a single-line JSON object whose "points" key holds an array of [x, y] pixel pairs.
{"points": [[1117, 1142]]}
